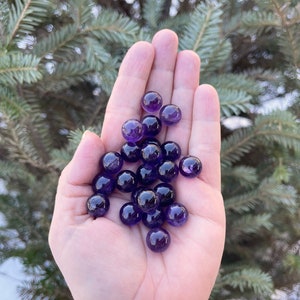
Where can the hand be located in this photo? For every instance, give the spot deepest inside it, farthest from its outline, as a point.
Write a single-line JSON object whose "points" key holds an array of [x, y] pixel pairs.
{"points": [[104, 259]]}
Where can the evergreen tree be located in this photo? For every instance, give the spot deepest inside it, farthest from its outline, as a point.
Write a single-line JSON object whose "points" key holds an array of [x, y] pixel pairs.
{"points": [[58, 62]]}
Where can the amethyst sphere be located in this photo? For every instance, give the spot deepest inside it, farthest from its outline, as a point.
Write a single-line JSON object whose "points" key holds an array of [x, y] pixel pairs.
{"points": [[190, 166], [170, 114], [132, 130], [130, 214], [176, 214], [158, 239], [151, 101], [111, 162], [97, 205]]}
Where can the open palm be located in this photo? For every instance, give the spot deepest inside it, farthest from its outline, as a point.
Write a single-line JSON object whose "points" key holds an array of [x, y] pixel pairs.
{"points": [[104, 259]]}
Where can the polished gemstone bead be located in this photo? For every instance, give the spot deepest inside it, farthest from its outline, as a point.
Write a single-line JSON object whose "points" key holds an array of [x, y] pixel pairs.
{"points": [[171, 150], [176, 214], [170, 114], [152, 125], [130, 152], [111, 162], [151, 153], [146, 174], [167, 171], [130, 214], [151, 101], [158, 239], [126, 181], [147, 200], [165, 193], [132, 130], [190, 166], [103, 183], [97, 205], [154, 219]]}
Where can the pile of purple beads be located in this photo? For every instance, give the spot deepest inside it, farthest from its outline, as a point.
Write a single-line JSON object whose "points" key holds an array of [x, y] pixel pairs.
{"points": [[153, 198]]}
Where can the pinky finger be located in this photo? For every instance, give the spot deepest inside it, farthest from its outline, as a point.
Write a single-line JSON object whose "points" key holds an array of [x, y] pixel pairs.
{"points": [[205, 140]]}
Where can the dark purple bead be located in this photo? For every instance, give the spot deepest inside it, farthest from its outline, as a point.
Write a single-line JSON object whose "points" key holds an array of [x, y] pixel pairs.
{"points": [[147, 200], [130, 152], [152, 125], [151, 153], [190, 166], [103, 183], [135, 192], [165, 193], [132, 130], [130, 214], [126, 181], [151, 101], [176, 214], [171, 150], [97, 205], [170, 114], [154, 219], [111, 162], [167, 171], [158, 239], [146, 174]]}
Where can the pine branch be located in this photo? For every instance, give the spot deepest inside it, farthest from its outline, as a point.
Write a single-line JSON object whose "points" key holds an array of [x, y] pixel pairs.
{"points": [[152, 12], [19, 68], [25, 16], [250, 278], [112, 27]]}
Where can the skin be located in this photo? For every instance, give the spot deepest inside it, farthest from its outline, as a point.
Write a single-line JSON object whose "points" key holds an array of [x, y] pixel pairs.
{"points": [[104, 259]]}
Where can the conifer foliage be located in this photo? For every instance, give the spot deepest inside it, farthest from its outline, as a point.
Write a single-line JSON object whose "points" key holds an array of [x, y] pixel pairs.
{"points": [[58, 62]]}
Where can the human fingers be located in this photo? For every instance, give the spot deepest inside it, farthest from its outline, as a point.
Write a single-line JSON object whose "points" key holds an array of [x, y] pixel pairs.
{"points": [[205, 139], [165, 43], [186, 80], [74, 183], [124, 102]]}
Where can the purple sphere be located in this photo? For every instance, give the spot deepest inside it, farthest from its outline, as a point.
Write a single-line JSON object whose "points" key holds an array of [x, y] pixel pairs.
{"points": [[151, 101], [130, 214], [111, 162], [126, 181], [152, 125], [130, 152], [171, 150], [190, 166], [165, 193], [158, 239], [132, 130], [167, 171], [176, 214], [154, 219], [103, 183], [97, 205], [170, 114], [147, 200]]}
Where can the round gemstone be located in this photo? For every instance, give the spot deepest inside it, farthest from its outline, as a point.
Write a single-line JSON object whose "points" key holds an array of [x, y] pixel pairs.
{"points": [[130, 152], [152, 125], [171, 150], [126, 181], [167, 171], [146, 174], [170, 114], [154, 219], [111, 162], [190, 166], [130, 214], [103, 183], [151, 153], [158, 239], [147, 200], [132, 130], [151, 101], [165, 193], [97, 205], [176, 214]]}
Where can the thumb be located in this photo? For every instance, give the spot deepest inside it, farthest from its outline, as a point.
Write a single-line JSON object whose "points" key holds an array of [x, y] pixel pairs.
{"points": [[85, 162]]}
